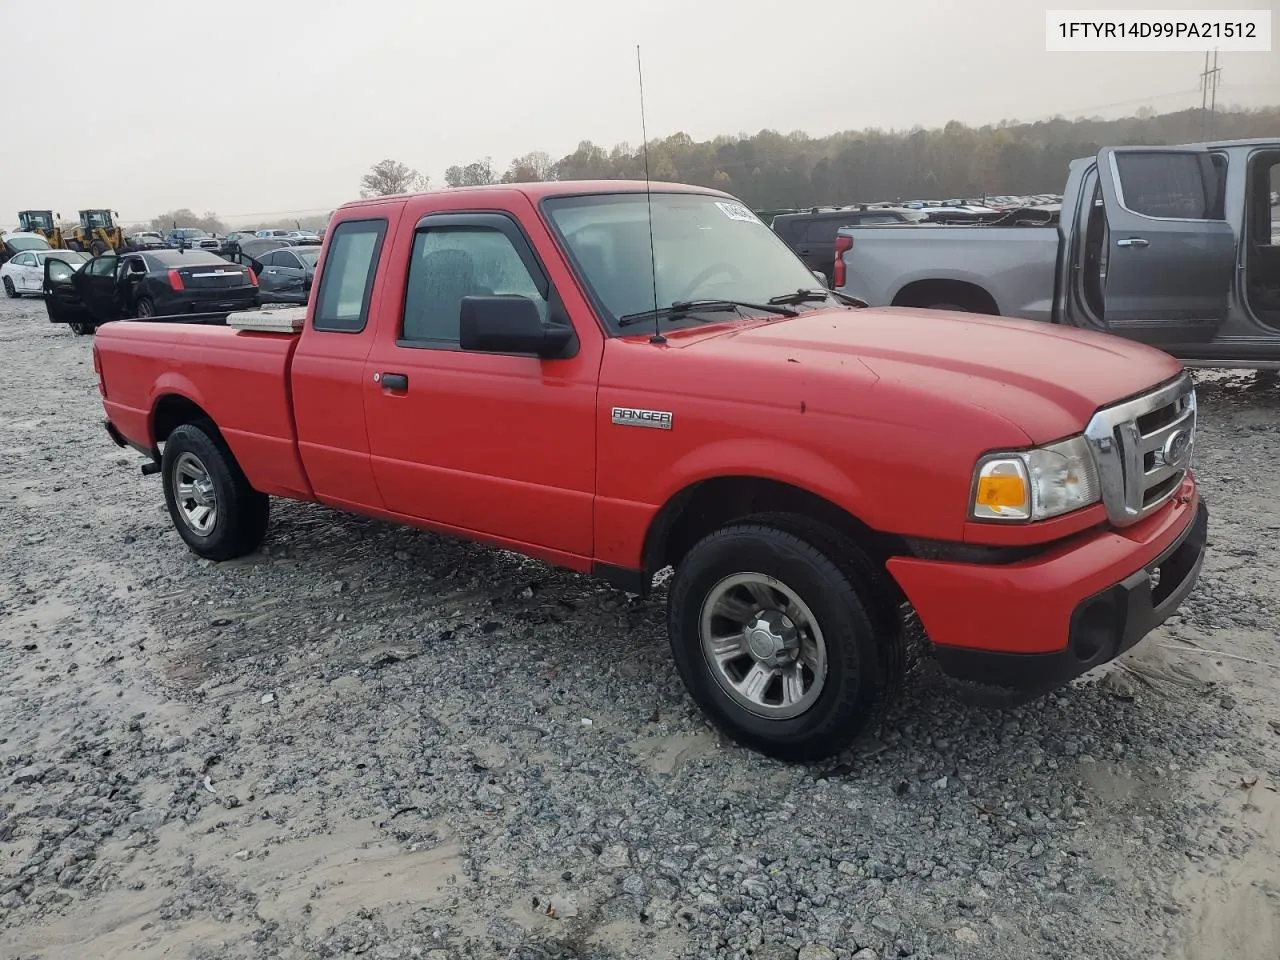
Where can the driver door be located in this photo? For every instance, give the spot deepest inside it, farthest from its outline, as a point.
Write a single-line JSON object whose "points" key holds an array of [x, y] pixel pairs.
{"points": [[98, 287], [63, 300], [1170, 252]]}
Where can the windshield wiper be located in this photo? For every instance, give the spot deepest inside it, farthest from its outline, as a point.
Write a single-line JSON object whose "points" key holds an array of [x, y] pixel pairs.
{"points": [[811, 296], [680, 309]]}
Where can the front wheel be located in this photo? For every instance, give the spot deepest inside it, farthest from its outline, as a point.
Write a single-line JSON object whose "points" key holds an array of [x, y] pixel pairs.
{"points": [[212, 506], [97, 248], [82, 328], [10, 290], [775, 641]]}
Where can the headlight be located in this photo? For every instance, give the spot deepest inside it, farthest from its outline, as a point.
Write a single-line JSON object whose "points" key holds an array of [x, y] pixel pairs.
{"points": [[1036, 484]]}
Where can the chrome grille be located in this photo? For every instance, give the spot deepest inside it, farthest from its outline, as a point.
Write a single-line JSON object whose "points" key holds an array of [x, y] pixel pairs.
{"points": [[1143, 448]]}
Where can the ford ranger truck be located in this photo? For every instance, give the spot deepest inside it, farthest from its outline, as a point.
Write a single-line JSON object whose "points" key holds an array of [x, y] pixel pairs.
{"points": [[1178, 247], [530, 367]]}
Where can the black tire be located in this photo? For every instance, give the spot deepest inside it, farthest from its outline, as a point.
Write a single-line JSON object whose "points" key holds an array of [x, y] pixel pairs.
{"points": [[240, 512], [82, 328], [849, 615], [75, 246], [97, 248], [145, 307], [948, 305], [10, 290]]}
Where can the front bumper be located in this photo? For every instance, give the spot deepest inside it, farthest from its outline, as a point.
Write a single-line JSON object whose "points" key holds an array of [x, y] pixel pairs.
{"points": [[1034, 625]]}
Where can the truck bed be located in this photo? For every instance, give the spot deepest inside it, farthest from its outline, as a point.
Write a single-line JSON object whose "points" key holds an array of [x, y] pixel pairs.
{"points": [[239, 378], [1016, 265]]}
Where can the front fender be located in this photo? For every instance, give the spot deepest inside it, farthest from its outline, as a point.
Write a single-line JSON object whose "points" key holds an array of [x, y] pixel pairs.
{"points": [[768, 459]]}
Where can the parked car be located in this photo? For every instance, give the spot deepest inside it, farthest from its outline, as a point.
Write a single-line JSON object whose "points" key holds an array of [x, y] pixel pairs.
{"points": [[144, 285], [24, 273], [302, 237], [273, 234], [11, 244], [230, 244], [191, 238], [249, 249], [812, 234], [285, 275], [145, 240], [1172, 246], [497, 365]]}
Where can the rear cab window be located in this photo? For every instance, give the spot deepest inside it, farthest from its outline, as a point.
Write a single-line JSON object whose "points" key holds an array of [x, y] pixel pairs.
{"points": [[346, 282]]}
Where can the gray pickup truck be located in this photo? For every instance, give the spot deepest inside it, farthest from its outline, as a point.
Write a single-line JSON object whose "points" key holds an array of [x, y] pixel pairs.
{"points": [[1178, 247]]}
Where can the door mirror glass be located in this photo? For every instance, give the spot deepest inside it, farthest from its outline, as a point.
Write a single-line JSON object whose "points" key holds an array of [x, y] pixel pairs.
{"points": [[821, 278], [509, 324]]}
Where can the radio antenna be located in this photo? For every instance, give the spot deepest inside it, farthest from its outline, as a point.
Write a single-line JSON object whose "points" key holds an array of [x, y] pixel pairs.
{"points": [[648, 199]]}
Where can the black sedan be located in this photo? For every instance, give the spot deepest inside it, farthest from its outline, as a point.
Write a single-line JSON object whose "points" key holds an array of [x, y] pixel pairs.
{"points": [[154, 283]]}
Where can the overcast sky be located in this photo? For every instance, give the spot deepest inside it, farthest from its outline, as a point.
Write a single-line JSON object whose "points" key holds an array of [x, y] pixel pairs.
{"points": [[247, 106]]}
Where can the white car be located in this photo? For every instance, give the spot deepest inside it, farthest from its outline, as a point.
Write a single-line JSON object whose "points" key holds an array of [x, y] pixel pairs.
{"points": [[23, 273]]}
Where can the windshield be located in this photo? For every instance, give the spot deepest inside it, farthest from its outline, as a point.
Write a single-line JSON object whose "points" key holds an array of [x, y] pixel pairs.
{"points": [[26, 243], [308, 257], [705, 247], [97, 218]]}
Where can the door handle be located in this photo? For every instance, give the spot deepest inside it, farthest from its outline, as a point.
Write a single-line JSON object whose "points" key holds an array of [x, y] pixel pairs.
{"points": [[395, 381], [1132, 242]]}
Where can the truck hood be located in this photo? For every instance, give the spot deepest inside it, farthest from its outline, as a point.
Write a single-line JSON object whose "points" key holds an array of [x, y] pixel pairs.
{"points": [[1046, 379]]}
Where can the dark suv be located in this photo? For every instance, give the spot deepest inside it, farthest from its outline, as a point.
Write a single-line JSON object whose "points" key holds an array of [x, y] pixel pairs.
{"points": [[812, 234]]}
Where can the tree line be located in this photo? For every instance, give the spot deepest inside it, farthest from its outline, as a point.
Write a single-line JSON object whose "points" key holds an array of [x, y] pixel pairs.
{"points": [[772, 169]]}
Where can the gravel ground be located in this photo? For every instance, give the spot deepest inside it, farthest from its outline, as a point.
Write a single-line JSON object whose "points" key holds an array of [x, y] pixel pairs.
{"points": [[372, 741]]}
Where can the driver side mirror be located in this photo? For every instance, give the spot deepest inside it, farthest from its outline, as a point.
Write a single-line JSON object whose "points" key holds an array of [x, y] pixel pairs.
{"points": [[511, 325], [822, 279]]}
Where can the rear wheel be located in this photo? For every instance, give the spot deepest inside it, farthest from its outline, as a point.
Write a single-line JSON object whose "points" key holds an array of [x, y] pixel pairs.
{"points": [[9, 289], [144, 308], [212, 506], [779, 640], [82, 328]]}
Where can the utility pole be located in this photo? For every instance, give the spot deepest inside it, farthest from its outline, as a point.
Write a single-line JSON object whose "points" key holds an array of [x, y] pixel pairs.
{"points": [[1209, 80]]}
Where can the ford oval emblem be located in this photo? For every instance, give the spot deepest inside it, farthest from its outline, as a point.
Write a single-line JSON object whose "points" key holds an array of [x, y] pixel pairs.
{"points": [[1175, 448]]}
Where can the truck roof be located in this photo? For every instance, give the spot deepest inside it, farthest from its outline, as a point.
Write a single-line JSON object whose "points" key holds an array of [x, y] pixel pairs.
{"points": [[552, 188], [1251, 142]]}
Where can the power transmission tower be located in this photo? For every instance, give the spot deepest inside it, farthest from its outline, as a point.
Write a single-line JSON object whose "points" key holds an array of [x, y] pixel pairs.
{"points": [[1209, 80]]}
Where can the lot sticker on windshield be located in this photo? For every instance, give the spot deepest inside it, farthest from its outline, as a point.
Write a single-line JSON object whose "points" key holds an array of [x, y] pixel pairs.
{"points": [[736, 211]]}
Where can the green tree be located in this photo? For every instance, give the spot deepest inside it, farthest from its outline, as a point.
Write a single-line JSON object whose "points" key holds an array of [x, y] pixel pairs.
{"points": [[474, 174], [388, 177]]}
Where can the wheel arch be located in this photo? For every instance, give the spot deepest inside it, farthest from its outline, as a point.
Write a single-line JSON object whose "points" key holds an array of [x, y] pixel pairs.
{"points": [[172, 409], [925, 291], [705, 505]]}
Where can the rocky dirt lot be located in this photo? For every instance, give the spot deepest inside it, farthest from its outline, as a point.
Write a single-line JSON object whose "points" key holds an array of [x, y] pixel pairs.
{"points": [[369, 741]]}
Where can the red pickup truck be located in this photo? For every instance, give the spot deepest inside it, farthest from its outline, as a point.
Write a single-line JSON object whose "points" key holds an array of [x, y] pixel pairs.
{"points": [[617, 381]]}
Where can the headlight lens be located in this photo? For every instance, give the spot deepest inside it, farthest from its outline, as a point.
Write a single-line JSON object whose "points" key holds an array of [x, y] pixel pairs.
{"points": [[1036, 484]]}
